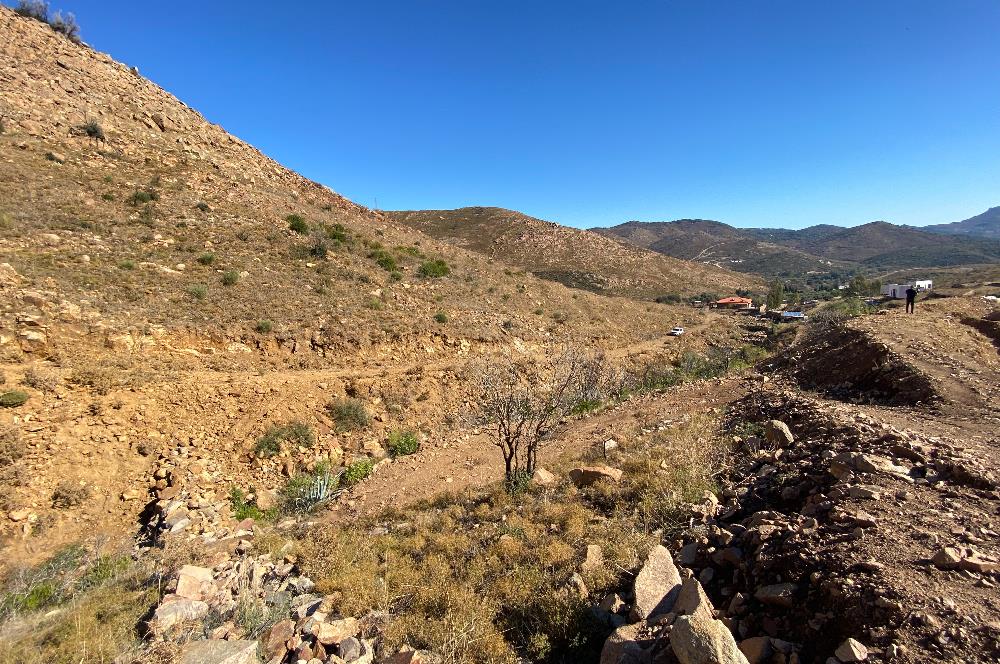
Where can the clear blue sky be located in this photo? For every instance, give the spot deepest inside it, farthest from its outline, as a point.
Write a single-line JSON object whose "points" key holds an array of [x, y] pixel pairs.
{"points": [[752, 112]]}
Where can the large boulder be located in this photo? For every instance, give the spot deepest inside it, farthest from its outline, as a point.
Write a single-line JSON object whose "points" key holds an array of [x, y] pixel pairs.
{"points": [[696, 639], [692, 600], [778, 434], [214, 651], [657, 585], [629, 644], [174, 611], [587, 475]]}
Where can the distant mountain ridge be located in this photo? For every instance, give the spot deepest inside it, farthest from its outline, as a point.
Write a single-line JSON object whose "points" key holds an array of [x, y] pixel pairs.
{"points": [[874, 246], [985, 225]]}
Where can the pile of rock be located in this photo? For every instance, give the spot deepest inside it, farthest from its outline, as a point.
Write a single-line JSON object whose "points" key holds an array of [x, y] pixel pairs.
{"points": [[219, 614]]}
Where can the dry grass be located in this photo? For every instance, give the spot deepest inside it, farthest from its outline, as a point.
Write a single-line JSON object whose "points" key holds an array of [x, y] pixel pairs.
{"points": [[486, 577]]}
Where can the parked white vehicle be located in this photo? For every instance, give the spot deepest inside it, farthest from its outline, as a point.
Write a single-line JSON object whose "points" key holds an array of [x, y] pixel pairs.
{"points": [[677, 331]]}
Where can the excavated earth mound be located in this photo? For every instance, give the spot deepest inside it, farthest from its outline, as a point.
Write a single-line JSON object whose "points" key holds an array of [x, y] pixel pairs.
{"points": [[853, 365]]}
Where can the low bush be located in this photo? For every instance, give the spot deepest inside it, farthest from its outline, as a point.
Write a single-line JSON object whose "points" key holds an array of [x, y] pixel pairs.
{"points": [[36, 9], [441, 317], [13, 398], [230, 277], [206, 258], [357, 471], [109, 197], [293, 433], [12, 448], [264, 326], [67, 25], [92, 128], [203, 206], [348, 414], [305, 491], [297, 224], [402, 443], [383, 258], [142, 196], [69, 494], [198, 291], [126, 264], [43, 381], [242, 507], [434, 269]]}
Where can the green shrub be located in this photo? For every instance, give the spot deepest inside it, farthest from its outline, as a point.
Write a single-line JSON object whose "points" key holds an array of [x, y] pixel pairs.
{"points": [[108, 197], [230, 277], [198, 291], [348, 414], [203, 206], [374, 303], [318, 249], [434, 268], [402, 443], [243, 508], [51, 156], [357, 472], [13, 398], [441, 317], [67, 25], [92, 129], [206, 258], [396, 275], [263, 326], [142, 196], [297, 223], [294, 433], [305, 491]]}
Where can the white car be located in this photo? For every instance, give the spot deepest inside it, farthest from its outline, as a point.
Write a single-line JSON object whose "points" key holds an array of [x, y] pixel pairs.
{"points": [[677, 331]]}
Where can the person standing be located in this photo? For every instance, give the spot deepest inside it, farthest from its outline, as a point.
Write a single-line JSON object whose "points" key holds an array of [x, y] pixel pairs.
{"points": [[911, 299]]}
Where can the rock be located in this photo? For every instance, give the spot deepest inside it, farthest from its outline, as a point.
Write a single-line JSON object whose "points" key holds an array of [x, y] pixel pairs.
{"points": [[593, 559], [778, 594], [977, 562], [32, 340], [693, 600], [334, 632], [627, 645], [610, 444], [587, 475], [688, 554], [851, 651], [542, 477], [865, 492], [349, 649], [194, 582], [19, 515], [699, 640], [175, 611], [657, 585], [213, 651], [948, 557], [778, 434], [757, 649], [281, 632]]}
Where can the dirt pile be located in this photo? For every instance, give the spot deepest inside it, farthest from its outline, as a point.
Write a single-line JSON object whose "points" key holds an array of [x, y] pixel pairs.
{"points": [[852, 365]]}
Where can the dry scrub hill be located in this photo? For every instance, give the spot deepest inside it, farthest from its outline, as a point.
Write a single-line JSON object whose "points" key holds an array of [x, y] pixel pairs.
{"points": [[169, 294], [577, 258]]}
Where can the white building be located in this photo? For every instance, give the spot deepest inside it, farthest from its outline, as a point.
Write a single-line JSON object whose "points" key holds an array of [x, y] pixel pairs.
{"points": [[898, 291], [895, 291]]}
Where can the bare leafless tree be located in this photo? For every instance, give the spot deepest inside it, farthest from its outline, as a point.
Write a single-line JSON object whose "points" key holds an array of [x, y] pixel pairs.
{"points": [[521, 402]]}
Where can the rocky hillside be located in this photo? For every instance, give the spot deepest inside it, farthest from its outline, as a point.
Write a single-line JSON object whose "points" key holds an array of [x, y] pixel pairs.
{"points": [[580, 259]]}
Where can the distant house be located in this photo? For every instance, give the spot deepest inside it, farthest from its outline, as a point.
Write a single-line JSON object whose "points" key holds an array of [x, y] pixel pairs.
{"points": [[895, 291], [898, 291], [734, 303], [793, 316]]}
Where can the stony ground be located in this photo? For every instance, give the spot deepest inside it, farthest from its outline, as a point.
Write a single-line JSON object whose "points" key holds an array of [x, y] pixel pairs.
{"points": [[159, 315]]}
